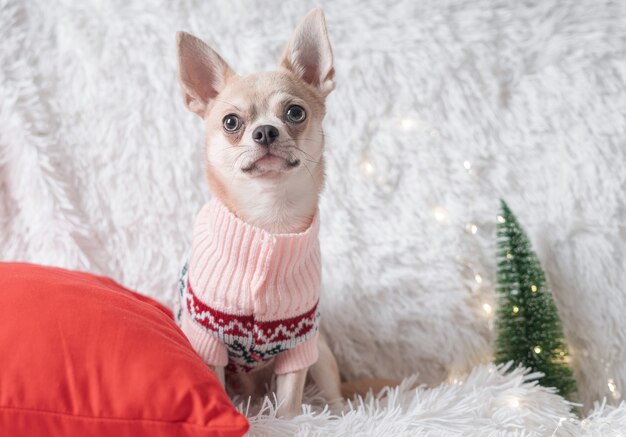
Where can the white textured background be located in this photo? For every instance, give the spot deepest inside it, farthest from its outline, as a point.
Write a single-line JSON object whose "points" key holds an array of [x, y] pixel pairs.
{"points": [[101, 165]]}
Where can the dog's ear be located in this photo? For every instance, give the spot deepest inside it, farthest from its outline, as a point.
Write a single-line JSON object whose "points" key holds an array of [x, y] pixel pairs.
{"points": [[308, 54], [201, 71]]}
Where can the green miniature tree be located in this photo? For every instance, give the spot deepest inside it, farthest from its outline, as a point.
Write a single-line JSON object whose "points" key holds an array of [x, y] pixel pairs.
{"points": [[528, 327]]}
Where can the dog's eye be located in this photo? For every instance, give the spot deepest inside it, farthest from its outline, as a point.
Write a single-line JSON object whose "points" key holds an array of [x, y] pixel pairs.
{"points": [[231, 123], [295, 114]]}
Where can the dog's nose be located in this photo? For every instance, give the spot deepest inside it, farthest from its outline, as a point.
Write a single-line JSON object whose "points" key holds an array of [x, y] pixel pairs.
{"points": [[265, 135]]}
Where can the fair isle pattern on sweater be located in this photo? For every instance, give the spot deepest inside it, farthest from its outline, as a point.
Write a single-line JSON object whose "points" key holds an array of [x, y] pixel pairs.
{"points": [[247, 296], [250, 343]]}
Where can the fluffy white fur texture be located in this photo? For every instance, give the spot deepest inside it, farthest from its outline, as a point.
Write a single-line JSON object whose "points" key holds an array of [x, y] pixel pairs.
{"points": [[101, 164], [487, 402]]}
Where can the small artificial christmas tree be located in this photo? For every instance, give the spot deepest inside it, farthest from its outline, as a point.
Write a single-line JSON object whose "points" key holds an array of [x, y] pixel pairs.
{"points": [[529, 331]]}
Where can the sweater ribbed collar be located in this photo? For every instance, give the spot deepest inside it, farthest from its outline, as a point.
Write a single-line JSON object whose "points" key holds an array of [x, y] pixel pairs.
{"points": [[243, 269], [220, 212]]}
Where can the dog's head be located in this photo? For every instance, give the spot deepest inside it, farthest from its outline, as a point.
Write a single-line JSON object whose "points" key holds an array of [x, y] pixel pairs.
{"points": [[264, 130]]}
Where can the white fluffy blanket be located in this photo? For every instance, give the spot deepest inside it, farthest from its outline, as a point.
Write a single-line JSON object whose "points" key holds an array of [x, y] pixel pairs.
{"points": [[487, 402], [440, 109]]}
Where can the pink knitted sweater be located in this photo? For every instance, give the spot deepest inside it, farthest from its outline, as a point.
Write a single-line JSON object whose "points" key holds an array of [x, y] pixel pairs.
{"points": [[248, 296]]}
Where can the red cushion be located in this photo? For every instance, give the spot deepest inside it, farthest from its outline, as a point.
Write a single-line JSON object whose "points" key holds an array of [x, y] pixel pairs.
{"points": [[82, 356]]}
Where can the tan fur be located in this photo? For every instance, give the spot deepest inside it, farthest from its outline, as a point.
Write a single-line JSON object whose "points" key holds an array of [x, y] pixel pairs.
{"points": [[251, 97]]}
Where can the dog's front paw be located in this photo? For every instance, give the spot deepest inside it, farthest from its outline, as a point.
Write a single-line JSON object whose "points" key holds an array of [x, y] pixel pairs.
{"points": [[339, 407]]}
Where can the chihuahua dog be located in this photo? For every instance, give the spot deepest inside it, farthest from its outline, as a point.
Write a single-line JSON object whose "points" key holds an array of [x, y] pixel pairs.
{"points": [[248, 295]]}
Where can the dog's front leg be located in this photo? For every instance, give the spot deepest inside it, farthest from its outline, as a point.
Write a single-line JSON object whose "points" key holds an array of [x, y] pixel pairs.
{"points": [[219, 372], [289, 388]]}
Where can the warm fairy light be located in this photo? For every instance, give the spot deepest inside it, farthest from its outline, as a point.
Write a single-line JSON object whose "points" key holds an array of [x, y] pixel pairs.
{"points": [[562, 353], [487, 308], [509, 256], [440, 214], [467, 165], [515, 309], [514, 402], [455, 379], [537, 349], [407, 124], [613, 389], [472, 228], [611, 384], [533, 288], [478, 278], [501, 219], [367, 167]]}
